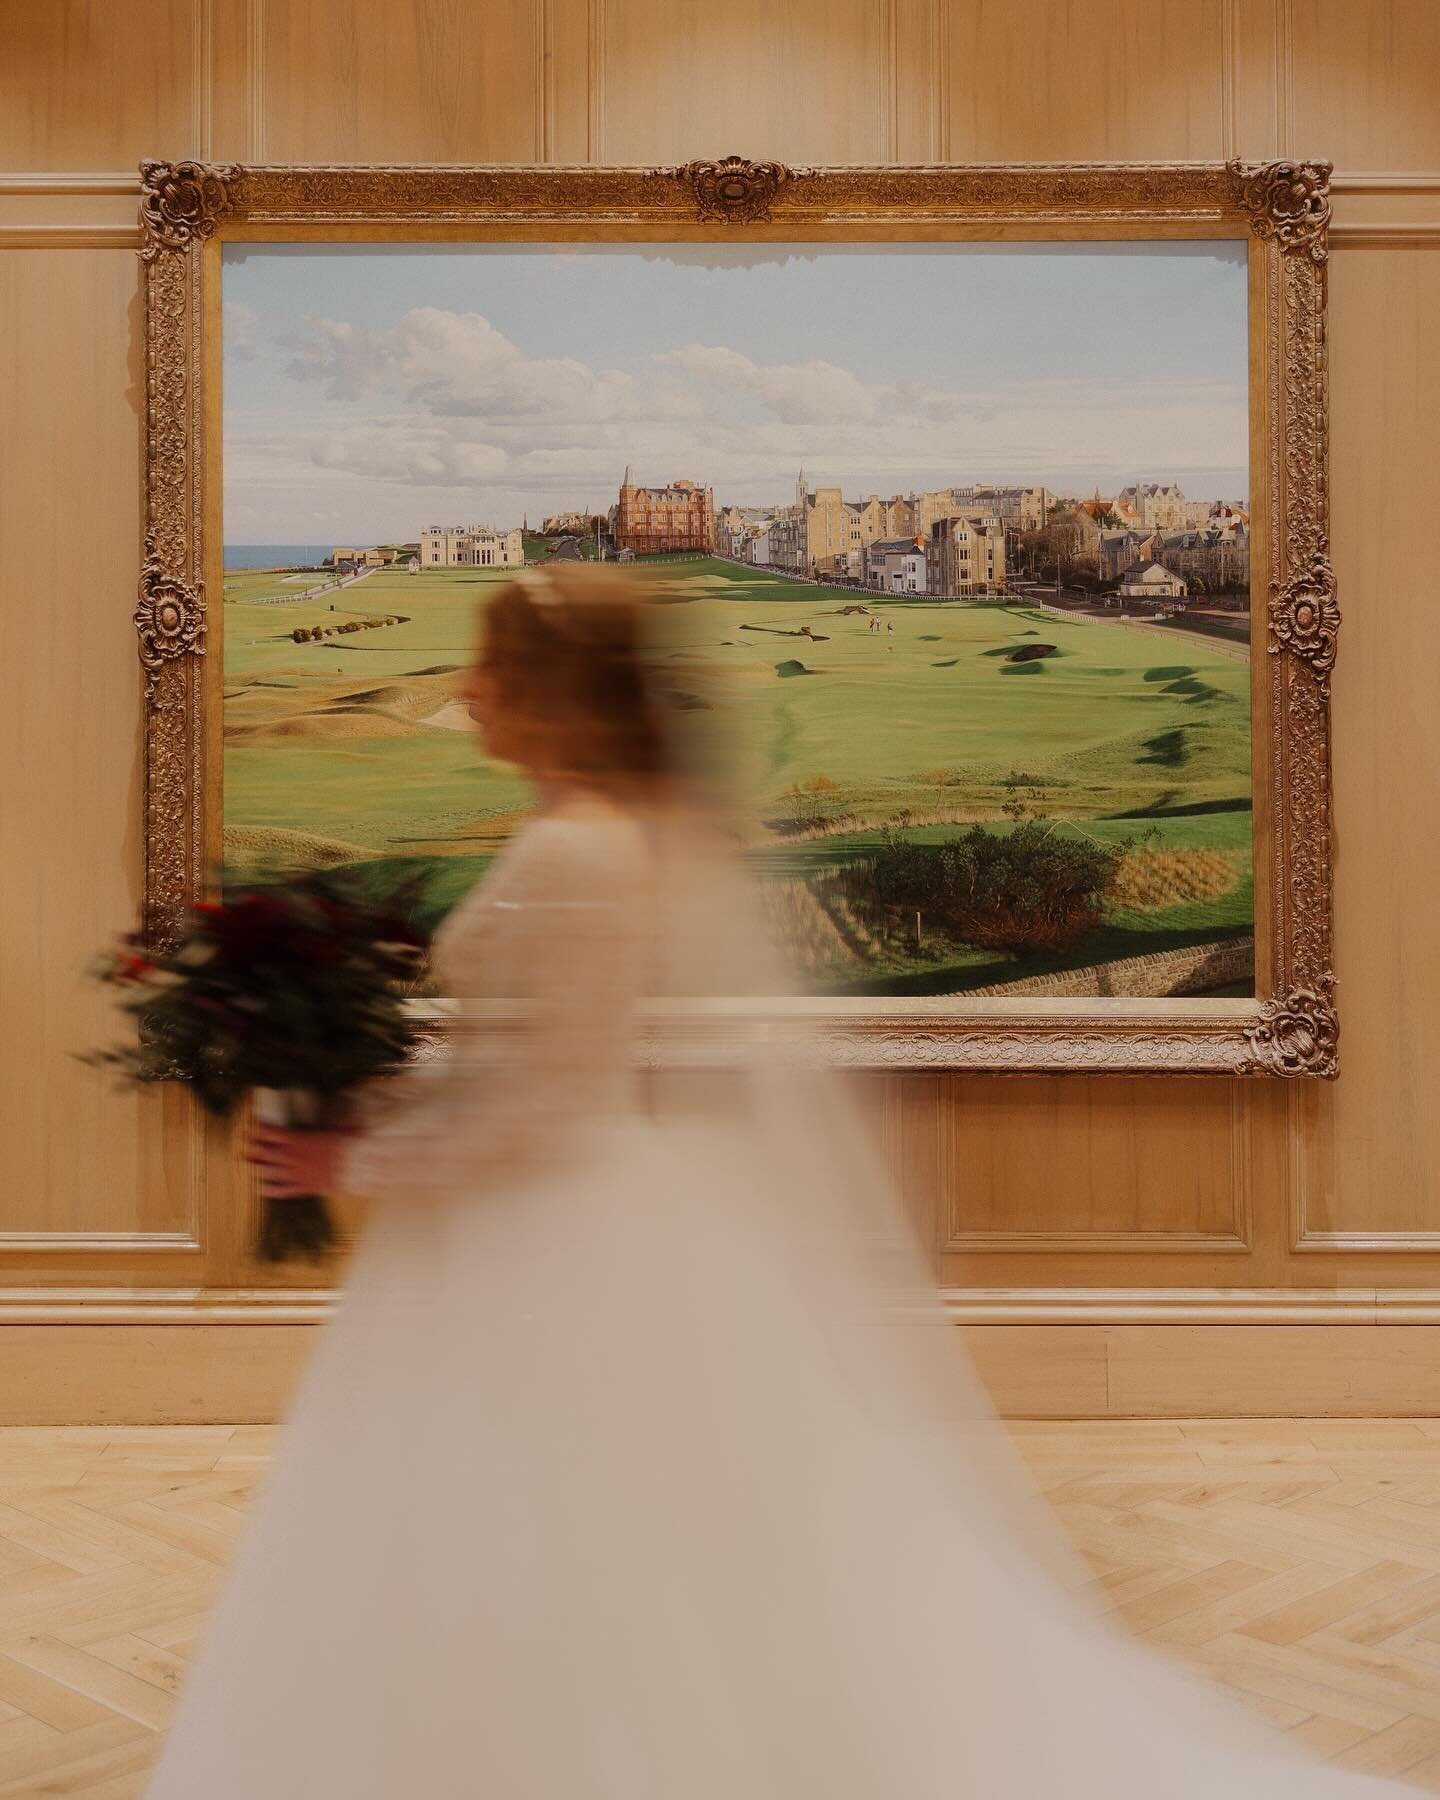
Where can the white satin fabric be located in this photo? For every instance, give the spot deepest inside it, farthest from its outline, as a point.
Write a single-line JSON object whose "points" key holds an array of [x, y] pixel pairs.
{"points": [[639, 1463]]}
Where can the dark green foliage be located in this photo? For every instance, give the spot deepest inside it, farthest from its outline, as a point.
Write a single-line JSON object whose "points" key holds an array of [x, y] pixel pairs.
{"points": [[295, 984], [1025, 891]]}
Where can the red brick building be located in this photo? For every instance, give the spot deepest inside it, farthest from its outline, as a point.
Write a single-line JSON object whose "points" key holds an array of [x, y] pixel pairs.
{"points": [[649, 520]]}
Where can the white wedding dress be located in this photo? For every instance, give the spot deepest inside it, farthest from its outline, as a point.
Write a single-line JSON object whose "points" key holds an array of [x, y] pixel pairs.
{"points": [[640, 1463]]}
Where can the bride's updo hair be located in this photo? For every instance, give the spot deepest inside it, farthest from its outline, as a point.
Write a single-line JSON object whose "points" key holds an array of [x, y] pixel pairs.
{"points": [[567, 646]]}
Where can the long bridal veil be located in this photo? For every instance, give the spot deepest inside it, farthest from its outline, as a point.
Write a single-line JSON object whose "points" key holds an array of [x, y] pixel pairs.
{"points": [[881, 1576]]}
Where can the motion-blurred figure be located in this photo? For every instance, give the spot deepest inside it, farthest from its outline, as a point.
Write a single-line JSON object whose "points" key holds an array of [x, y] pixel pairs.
{"points": [[641, 1463]]}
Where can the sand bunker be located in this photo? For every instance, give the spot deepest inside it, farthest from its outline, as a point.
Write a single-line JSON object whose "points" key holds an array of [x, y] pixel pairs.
{"points": [[271, 847], [701, 585], [452, 716], [324, 728]]}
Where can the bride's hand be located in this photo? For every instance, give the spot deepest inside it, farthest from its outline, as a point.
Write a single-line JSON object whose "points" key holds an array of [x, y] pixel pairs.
{"points": [[293, 1163]]}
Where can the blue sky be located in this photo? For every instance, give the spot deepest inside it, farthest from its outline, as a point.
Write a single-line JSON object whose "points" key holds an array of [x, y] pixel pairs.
{"points": [[371, 392]]}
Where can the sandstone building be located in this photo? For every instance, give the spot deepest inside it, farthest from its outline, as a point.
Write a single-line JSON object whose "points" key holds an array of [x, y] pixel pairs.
{"points": [[652, 520], [470, 546]]}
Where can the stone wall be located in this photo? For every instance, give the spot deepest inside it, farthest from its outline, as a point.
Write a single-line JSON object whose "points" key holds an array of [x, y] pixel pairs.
{"points": [[1189, 971]]}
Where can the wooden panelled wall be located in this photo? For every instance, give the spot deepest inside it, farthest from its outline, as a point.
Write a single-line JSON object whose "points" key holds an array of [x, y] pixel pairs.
{"points": [[1164, 1246]]}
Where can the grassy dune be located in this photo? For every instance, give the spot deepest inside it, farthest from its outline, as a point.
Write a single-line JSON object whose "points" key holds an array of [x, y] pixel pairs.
{"points": [[355, 741]]}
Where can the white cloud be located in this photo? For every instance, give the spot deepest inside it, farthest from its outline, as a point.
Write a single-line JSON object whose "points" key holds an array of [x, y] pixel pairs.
{"points": [[812, 393], [411, 451], [458, 364]]}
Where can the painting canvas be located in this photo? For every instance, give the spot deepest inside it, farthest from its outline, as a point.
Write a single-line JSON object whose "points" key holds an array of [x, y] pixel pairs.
{"points": [[962, 528]]}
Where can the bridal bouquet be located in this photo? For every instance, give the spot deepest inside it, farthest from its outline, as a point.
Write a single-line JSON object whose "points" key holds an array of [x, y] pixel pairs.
{"points": [[293, 991]]}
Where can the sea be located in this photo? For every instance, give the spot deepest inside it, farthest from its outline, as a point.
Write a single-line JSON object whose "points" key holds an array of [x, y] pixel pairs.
{"points": [[276, 556]]}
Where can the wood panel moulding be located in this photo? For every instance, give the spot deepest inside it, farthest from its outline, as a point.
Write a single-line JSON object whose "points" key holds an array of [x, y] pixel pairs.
{"points": [[1138, 1184]]}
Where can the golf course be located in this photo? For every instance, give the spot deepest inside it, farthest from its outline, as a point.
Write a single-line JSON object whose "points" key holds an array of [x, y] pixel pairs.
{"points": [[865, 720]]}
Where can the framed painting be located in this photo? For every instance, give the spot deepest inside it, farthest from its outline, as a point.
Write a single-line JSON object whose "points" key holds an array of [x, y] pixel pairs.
{"points": [[996, 496]]}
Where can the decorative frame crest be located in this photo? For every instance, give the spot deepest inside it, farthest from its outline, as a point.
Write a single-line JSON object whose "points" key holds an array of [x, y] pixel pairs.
{"points": [[735, 191], [189, 208]]}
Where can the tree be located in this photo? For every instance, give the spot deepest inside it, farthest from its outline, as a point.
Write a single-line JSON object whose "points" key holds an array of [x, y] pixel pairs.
{"points": [[1027, 891]]}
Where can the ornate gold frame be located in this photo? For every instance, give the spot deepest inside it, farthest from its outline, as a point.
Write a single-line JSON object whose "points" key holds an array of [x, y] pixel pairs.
{"points": [[188, 209]]}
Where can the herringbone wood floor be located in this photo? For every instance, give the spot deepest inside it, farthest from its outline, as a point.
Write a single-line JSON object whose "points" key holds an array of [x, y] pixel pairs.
{"points": [[1296, 1561]]}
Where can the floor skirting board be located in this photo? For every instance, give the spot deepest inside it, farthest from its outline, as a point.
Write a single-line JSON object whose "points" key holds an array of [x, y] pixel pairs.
{"points": [[227, 1370]]}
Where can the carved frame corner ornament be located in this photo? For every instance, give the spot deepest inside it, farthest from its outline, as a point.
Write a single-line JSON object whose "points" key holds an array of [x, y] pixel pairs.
{"points": [[1296, 1034], [1288, 201], [735, 190], [1283, 207], [182, 202]]}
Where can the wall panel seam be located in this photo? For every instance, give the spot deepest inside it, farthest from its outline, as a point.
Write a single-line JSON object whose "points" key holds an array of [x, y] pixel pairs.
{"points": [[1416, 233], [1285, 76], [202, 78], [20, 181], [888, 34], [1180, 1307], [1037, 1306], [544, 82], [1384, 181], [1228, 32], [257, 81], [1367, 1242], [108, 1243], [595, 82], [70, 237]]}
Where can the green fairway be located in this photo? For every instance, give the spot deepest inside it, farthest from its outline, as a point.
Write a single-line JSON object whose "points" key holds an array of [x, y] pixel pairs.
{"points": [[354, 748], [251, 585]]}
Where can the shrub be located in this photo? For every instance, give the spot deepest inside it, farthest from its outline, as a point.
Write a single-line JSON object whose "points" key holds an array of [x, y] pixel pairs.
{"points": [[1026, 891]]}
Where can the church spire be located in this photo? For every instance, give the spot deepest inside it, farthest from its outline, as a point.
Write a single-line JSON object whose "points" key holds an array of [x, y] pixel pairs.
{"points": [[627, 481]]}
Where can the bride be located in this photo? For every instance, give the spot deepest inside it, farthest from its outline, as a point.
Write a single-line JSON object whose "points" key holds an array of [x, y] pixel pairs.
{"points": [[640, 1462]]}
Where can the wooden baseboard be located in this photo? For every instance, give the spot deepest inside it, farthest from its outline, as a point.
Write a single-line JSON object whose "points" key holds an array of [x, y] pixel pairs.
{"points": [[169, 1374], [1187, 1306], [220, 1371], [1210, 1371]]}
